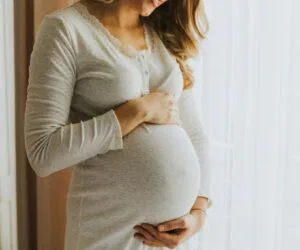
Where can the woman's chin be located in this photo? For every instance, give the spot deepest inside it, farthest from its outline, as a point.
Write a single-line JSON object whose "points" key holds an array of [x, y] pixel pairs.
{"points": [[148, 8], [147, 11]]}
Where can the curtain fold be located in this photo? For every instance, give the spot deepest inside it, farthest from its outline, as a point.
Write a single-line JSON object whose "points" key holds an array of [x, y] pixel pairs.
{"points": [[250, 97]]}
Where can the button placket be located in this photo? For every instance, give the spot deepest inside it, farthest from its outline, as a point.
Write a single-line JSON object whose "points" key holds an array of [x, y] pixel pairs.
{"points": [[146, 81], [145, 73]]}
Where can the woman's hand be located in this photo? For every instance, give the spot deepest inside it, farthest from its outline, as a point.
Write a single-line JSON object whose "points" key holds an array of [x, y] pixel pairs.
{"points": [[160, 108], [171, 233]]}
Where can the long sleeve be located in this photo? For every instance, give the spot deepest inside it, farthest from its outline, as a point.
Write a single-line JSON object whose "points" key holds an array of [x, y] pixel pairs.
{"points": [[192, 124], [52, 143]]}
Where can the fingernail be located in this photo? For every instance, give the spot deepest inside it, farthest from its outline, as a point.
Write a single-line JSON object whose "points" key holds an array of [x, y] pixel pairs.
{"points": [[160, 228]]}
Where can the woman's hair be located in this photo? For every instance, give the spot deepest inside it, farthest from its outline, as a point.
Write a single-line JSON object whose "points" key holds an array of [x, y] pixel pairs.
{"points": [[181, 25]]}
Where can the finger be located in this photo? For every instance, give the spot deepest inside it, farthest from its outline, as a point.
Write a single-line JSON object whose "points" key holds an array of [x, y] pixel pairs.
{"points": [[173, 224], [163, 237], [170, 239], [150, 229], [139, 236], [153, 243], [145, 233]]}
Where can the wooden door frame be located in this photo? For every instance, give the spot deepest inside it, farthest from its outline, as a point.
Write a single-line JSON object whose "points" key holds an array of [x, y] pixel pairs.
{"points": [[26, 179]]}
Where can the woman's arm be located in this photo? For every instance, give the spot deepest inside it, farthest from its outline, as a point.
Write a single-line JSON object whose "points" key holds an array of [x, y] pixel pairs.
{"points": [[52, 143], [192, 124]]}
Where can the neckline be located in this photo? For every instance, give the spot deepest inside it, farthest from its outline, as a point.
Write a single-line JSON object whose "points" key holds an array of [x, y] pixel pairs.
{"points": [[125, 48]]}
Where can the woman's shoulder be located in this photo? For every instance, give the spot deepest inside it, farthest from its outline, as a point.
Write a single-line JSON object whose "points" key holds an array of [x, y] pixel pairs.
{"points": [[69, 12], [66, 22], [56, 14], [67, 18]]}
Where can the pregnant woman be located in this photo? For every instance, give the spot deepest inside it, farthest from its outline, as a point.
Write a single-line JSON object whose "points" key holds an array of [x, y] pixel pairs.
{"points": [[110, 93]]}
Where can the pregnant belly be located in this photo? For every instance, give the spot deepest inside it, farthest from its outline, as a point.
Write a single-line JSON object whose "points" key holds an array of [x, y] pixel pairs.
{"points": [[156, 173]]}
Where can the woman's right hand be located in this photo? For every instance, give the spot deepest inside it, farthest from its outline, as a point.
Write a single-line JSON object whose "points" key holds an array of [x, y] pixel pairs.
{"points": [[156, 107], [160, 108]]}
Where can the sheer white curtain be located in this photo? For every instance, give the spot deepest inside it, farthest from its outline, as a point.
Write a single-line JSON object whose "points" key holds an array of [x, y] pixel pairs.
{"points": [[250, 99], [8, 199]]}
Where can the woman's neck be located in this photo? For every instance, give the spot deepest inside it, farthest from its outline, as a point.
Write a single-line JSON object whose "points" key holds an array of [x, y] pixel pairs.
{"points": [[116, 14]]}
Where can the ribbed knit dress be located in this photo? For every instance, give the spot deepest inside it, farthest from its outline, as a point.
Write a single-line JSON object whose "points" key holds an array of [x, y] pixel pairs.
{"points": [[78, 74]]}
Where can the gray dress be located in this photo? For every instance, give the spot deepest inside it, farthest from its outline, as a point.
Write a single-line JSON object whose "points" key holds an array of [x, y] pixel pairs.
{"points": [[79, 72]]}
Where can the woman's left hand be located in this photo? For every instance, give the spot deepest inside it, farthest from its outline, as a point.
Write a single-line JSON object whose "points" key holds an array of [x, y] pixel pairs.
{"points": [[171, 233]]}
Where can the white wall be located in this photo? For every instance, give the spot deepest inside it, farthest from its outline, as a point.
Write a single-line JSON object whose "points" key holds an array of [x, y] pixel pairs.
{"points": [[8, 228]]}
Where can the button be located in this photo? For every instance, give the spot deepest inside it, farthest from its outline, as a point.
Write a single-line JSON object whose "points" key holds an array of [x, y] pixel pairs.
{"points": [[146, 72]]}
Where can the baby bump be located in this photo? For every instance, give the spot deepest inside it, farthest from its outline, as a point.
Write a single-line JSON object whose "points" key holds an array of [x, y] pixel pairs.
{"points": [[156, 173], [164, 170]]}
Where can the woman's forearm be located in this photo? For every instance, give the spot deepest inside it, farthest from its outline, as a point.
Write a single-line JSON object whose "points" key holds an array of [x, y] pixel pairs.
{"points": [[130, 115], [201, 202]]}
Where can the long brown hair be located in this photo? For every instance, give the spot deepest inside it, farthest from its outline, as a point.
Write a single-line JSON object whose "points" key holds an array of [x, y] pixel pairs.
{"points": [[181, 25]]}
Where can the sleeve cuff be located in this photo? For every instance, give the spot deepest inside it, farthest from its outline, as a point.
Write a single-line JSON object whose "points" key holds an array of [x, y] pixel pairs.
{"points": [[209, 203], [117, 141]]}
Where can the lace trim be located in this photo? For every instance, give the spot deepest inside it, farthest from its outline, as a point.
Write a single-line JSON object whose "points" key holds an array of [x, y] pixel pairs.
{"points": [[127, 49]]}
